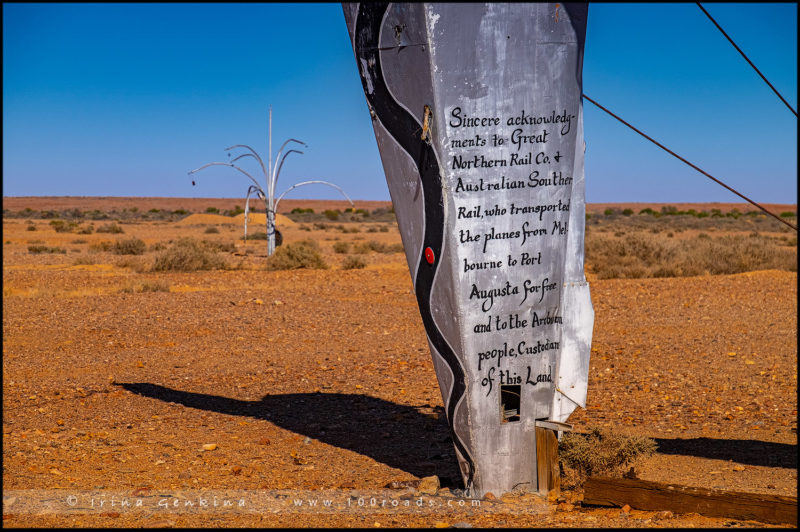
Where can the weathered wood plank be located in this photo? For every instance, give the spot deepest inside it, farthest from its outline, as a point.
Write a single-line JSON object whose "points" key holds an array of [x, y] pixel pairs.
{"points": [[547, 460], [646, 495]]}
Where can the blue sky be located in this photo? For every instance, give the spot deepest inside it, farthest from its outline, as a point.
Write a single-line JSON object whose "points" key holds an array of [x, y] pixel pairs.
{"points": [[124, 99]]}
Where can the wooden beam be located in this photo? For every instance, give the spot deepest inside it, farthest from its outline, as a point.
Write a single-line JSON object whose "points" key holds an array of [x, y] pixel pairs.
{"points": [[548, 472], [646, 495]]}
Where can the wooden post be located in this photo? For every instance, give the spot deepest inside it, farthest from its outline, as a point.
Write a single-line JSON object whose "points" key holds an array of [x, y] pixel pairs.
{"points": [[646, 495], [547, 461]]}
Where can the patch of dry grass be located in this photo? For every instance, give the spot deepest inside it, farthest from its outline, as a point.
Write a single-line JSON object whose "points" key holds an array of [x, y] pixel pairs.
{"points": [[188, 254], [648, 255], [297, 255]]}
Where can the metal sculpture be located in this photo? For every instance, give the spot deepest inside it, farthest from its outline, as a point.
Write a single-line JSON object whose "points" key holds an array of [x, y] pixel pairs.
{"points": [[271, 175]]}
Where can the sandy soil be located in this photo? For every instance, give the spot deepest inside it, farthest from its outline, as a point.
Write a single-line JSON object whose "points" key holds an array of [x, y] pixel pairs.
{"points": [[314, 382]]}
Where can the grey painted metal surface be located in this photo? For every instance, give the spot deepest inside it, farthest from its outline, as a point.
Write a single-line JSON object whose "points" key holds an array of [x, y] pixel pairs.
{"points": [[478, 118]]}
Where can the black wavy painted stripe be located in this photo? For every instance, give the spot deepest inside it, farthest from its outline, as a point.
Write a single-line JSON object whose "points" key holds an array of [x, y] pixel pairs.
{"points": [[406, 131]]}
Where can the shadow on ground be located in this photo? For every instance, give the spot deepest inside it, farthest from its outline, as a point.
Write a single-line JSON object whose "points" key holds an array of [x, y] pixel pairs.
{"points": [[750, 452], [400, 436]]}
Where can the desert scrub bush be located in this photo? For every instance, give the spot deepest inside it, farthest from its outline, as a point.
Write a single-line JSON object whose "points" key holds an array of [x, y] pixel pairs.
{"points": [[258, 235], [226, 247], [135, 264], [305, 228], [112, 228], [638, 256], [600, 452], [211, 230], [341, 247], [103, 245], [361, 248], [45, 249], [131, 246], [331, 214], [88, 230], [83, 260], [187, 255], [353, 263], [297, 255], [147, 286], [383, 229], [157, 246], [79, 241], [60, 226], [31, 228]]}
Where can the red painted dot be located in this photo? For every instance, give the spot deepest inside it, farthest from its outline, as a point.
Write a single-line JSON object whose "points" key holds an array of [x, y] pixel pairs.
{"points": [[429, 255]]}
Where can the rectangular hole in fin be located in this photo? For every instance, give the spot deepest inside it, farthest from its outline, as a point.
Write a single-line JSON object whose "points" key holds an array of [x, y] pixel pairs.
{"points": [[509, 403]]}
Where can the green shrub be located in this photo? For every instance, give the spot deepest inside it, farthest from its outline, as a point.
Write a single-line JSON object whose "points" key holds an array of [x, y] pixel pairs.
{"points": [[212, 210], [186, 255], [180, 211], [627, 212], [600, 452], [341, 247], [609, 211], [236, 211], [112, 228], [298, 255], [331, 214], [788, 214], [131, 246]]}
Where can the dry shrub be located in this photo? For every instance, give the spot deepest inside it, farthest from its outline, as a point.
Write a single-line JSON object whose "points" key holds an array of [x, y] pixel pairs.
{"points": [[227, 247], [45, 249], [131, 246], [147, 286], [353, 263], [136, 265], [83, 260], [341, 247], [641, 255], [600, 452], [103, 245], [110, 228], [186, 255], [365, 247], [302, 254], [211, 230]]}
